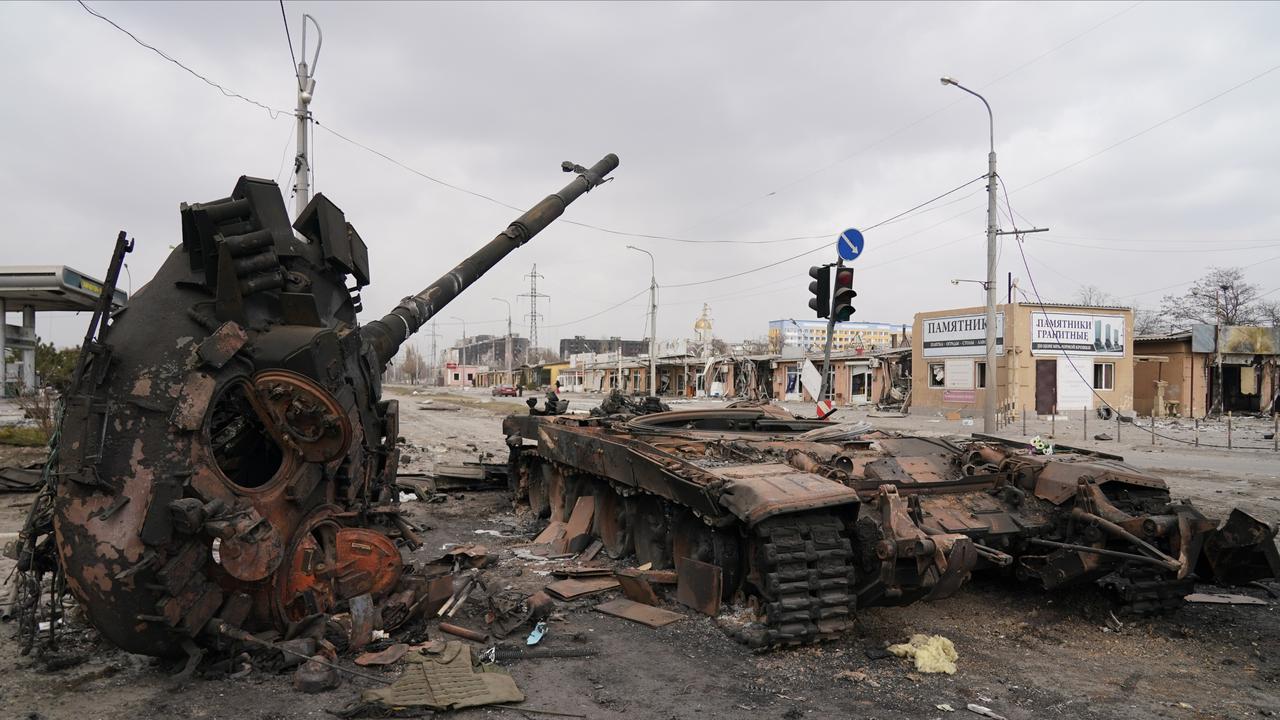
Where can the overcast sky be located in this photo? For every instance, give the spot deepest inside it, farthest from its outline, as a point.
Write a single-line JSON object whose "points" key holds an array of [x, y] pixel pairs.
{"points": [[745, 122]]}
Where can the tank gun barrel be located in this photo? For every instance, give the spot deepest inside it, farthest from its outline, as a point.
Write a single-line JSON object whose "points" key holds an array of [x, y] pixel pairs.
{"points": [[388, 334]]}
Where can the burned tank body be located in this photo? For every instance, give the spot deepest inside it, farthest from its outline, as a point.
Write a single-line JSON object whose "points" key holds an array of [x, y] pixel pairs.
{"points": [[809, 520], [228, 461]]}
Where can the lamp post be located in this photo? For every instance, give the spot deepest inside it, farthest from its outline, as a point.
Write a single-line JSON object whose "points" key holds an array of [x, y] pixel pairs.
{"points": [[1220, 312], [653, 321], [989, 397], [508, 302], [462, 351]]}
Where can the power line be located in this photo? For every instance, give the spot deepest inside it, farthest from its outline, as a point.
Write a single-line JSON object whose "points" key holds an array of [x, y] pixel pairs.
{"points": [[288, 36], [1140, 133], [274, 112], [920, 120], [1202, 249], [598, 314]]}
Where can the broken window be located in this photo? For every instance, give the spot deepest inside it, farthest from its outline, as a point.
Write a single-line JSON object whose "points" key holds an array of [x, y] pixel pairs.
{"points": [[937, 375], [1104, 376], [981, 372], [243, 449]]}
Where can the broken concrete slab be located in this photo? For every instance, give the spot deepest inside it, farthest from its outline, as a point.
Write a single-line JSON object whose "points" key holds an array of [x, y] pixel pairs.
{"points": [[639, 612]]}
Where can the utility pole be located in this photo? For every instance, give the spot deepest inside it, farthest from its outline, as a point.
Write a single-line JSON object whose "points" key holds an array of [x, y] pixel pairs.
{"points": [[462, 349], [993, 385], [435, 358], [306, 88], [509, 377], [826, 350], [1220, 313], [533, 296], [653, 322]]}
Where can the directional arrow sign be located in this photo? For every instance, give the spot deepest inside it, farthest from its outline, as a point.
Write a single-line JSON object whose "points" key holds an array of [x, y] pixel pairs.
{"points": [[849, 246]]}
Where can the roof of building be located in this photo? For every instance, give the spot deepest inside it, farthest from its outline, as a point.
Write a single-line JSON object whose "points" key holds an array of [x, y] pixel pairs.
{"points": [[1183, 335]]}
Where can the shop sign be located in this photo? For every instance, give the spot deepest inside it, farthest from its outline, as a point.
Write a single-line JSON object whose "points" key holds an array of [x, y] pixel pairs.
{"points": [[960, 335], [1077, 334]]}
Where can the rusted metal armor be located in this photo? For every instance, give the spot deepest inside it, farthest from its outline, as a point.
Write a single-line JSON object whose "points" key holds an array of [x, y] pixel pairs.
{"points": [[808, 520], [228, 460]]}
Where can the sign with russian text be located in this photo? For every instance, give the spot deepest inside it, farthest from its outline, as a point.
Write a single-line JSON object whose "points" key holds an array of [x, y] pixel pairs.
{"points": [[960, 335], [960, 396], [1076, 334]]}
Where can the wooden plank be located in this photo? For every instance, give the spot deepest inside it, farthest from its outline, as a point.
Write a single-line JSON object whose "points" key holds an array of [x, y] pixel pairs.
{"points": [[639, 612], [550, 534], [636, 586]]}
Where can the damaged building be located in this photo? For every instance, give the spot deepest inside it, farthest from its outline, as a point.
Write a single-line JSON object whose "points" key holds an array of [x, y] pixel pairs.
{"points": [[1208, 370]]}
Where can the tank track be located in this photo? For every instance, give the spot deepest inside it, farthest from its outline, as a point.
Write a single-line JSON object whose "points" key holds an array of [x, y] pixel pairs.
{"points": [[806, 579]]}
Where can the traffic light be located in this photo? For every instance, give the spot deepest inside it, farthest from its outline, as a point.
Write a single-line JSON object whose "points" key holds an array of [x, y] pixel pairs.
{"points": [[821, 289], [842, 300]]}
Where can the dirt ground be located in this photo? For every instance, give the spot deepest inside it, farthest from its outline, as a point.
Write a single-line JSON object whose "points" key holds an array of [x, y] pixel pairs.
{"points": [[1024, 654]]}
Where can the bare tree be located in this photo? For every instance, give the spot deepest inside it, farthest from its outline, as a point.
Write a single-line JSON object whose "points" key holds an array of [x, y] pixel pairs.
{"points": [[413, 366], [1094, 295], [1221, 296], [1147, 321], [1270, 313]]}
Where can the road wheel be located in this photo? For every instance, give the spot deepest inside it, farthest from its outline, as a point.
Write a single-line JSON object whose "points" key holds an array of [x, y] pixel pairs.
{"points": [[612, 523], [693, 538], [650, 530]]}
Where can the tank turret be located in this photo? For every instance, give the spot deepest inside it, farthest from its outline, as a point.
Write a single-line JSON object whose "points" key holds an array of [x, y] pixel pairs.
{"points": [[227, 459]]}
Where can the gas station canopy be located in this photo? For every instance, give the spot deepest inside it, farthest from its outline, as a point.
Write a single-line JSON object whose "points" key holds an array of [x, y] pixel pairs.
{"points": [[52, 287]]}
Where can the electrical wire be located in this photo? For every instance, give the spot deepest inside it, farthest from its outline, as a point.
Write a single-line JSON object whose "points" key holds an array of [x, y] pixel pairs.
{"points": [[598, 314], [918, 121], [284, 155], [288, 36], [273, 112], [1140, 133], [827, 245], [1071, 361]]}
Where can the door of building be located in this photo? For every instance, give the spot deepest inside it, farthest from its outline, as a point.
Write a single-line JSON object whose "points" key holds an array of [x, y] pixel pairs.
{"points": [[1046, 386]]}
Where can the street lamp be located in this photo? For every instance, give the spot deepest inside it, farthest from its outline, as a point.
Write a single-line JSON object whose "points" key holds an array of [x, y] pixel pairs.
{"points": [[989, 397], [653, 321], [463, 349], [508, 302], [983, 283]]}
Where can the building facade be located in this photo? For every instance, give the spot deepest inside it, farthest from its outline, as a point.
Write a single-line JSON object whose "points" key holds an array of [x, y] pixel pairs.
{"points": [[578, 344], [811, 335], [1050, 359], [1178, 374], [489, 350]]}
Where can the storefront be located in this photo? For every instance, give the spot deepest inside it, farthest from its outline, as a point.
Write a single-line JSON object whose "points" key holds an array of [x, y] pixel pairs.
{"points": [[1049, 359], [1239, 363]]}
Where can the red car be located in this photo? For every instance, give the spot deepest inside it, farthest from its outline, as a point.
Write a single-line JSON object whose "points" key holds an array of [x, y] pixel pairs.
{"points": [[504, 390]]}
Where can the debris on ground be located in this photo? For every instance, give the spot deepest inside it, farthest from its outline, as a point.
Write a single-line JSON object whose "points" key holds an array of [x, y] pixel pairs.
{"points": [[984, 711], [444, 677], [932, 653], [1224, 599], [639, 612]]}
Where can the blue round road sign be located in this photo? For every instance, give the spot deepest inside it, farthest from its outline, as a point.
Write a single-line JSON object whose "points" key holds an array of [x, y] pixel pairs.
{"points": [[849, 245]]}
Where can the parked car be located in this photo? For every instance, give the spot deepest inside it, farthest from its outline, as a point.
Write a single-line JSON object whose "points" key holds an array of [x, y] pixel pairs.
{"points": [[504, 390]]}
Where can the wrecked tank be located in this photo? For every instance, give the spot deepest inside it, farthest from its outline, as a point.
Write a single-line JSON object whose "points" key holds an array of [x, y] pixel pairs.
{"points": [[808, 520], [226, 463]]}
